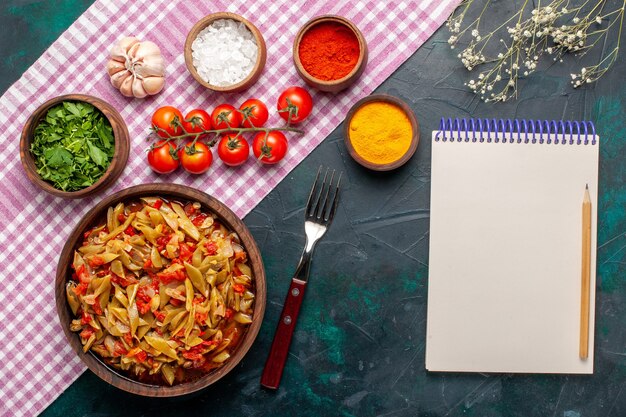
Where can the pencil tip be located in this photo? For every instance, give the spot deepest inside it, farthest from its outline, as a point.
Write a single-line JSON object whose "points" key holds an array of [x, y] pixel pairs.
{"points": [[586, 186]]}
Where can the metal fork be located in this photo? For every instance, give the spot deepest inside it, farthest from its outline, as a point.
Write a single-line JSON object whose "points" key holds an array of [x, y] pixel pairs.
{"points": [[318, 215]]}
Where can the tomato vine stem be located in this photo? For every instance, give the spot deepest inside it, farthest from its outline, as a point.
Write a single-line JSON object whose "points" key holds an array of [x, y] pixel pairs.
{"points": [[217, 132]]}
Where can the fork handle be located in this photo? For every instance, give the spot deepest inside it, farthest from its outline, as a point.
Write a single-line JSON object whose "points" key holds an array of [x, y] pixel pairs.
{"points": [[277, 357]]}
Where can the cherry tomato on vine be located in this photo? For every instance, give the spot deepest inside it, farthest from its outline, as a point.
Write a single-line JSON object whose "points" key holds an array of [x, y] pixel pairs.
{"points": [[195, 158], [233, 150], [256, 112], [224, 116], [197, 121], [168, 120], [271, 150], [294, 101], [161, 157]]}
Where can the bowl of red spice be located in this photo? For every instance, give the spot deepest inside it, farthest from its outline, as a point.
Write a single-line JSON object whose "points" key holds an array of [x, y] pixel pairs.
{"points": [[330, 53]]}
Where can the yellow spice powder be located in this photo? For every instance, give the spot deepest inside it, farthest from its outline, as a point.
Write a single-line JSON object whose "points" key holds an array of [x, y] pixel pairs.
{"points": [[380, 132]]}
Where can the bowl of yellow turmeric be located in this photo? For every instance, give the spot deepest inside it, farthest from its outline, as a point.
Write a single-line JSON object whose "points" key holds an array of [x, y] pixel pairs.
{"points": [[381, 132]]}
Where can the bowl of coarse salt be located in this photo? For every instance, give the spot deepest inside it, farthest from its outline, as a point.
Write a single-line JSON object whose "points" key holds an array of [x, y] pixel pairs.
{"points": [[225, 52]]}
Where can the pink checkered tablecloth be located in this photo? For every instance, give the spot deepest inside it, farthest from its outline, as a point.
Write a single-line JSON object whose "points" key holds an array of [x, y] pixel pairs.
{"points": [[37, 362]]}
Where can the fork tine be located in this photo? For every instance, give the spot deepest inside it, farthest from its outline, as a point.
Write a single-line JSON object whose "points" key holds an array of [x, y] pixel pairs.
{"points": [[309, 203], [324, 208], [330, 214], [316, 212]]}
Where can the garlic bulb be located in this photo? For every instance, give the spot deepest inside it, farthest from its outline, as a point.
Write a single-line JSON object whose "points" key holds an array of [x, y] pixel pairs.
{"points": [[136, 68]]}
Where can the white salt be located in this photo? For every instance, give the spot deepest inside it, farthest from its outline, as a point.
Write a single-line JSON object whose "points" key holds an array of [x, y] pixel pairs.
{"points": [[224, 53]]}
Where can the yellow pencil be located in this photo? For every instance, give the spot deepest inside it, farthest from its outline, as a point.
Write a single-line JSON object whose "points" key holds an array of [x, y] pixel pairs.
{"points": [[586, 270]]}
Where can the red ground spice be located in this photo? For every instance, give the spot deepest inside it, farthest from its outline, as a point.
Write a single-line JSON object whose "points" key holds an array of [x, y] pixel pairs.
{"points": [[329, 51]]}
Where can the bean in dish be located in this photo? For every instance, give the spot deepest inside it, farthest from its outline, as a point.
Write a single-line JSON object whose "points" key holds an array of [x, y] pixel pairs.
{"points": [[161, 291]]}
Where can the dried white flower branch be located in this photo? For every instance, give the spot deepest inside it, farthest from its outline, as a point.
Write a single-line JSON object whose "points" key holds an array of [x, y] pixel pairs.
{"points": [[555, 29]]}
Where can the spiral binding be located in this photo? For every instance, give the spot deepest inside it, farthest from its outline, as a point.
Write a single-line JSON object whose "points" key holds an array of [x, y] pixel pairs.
{"points": [[517, 131]]}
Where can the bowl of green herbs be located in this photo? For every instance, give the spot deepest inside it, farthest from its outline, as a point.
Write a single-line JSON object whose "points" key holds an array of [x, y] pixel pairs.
{"points": [[74, 146]]}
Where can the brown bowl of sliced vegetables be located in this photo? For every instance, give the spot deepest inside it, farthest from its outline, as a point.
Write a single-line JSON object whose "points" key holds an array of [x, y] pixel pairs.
{"points": [[160, 290], [74, 146]]}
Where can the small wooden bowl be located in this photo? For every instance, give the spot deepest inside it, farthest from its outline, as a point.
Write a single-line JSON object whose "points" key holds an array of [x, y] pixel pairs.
{"points": [[258, 66], [120, 155], [98, 214], [336, 85], [414, 125]]}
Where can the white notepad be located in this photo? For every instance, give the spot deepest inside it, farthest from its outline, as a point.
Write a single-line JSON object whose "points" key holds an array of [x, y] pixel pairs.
{"points": [[504, 285]]}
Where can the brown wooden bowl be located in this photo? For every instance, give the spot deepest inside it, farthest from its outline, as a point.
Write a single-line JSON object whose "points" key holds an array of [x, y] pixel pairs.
{"points": [[336, 85], [120, 155], [414, 125], [98, 214], [260, 61]]}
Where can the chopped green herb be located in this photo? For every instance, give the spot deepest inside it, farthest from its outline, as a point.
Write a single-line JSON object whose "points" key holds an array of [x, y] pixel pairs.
{"points": [[73, 145]]}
